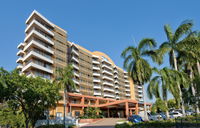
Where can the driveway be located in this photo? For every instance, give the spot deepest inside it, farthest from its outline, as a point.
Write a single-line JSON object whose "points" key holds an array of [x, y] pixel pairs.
{"points": [[104, 123]]}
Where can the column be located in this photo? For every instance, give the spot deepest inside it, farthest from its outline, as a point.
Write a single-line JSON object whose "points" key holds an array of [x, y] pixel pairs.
{"points": [[136, 109], [127, 109]]}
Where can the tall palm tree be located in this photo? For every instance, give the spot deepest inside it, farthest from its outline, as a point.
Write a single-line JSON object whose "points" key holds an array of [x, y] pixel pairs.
{"points": [[170, 47], [137, 66], [166, 80], [189, 57], [64, 79]]}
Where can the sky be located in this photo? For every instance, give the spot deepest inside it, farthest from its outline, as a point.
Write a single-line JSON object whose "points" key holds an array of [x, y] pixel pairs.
{"points": [[108, 26]]}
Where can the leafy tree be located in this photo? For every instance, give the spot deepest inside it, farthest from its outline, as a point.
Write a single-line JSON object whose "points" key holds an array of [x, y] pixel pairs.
{"points": [[170, 47], [29, 96], [65, 81], [172, 104], [91, 112], [137, 66], [166, 81], [11, 118], [159, 106]]}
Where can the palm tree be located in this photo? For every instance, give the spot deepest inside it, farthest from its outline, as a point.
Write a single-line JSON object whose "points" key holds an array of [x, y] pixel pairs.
{"points": [[170, 47], [137, 66], [65, 80], [168, 80]]}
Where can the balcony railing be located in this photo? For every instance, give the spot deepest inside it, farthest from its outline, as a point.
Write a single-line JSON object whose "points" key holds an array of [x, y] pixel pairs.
{"points": [[108, 78], [109, 95], [96, 80], [75, 66], [108, 67], [97, 93], [95, 68], [95, 62], [108, 83], [107, 72], [108, 89], [97, 86]]}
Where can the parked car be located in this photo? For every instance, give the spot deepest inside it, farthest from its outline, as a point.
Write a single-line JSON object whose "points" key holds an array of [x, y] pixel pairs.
{"points": [[154, 116], [175, 114], [164, 117], [189, 112], [135, 119]]}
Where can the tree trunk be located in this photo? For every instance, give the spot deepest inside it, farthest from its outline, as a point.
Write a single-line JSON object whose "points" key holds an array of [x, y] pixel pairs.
{"points": [[197, 107], [65, 91], [145, 107], [167, 112], [27, 123], [180, 92]]}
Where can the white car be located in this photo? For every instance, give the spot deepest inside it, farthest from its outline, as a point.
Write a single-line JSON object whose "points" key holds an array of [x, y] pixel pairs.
{"points": [[175, 114]]}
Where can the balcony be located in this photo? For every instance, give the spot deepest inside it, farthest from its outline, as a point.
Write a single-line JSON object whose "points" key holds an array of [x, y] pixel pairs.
{"points": [[104, 60], [21, 45], [109, 95], [39, 45], [117, 92], [75, 81], [126, 81], [115, 71], [108, 89], [128, 95], [75, 66], [75, 59], [40, 56], [97, 86], [140, 95], [40, 35], [97, 93], [116, 86], [108, 83], [107, 72], [19, 60], [96, 80], [95, 62], [95, 68], [20, 53], [127, 85], [125, 76], [96, 74], [94, 56], [76, 74], [116, 82], [36, 23], [139, 87], [75, 52], [115, 76], [117, 97], [127, 90], [37, 66], [140, 91], [108, 78], [20, 66], [106, 66]]}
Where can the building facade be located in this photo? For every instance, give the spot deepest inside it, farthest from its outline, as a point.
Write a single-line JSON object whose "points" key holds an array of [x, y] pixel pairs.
{"points": [[46, 48]]}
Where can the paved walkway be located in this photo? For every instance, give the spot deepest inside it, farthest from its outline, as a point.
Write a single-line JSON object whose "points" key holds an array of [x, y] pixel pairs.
{"points": [[104, 123]]}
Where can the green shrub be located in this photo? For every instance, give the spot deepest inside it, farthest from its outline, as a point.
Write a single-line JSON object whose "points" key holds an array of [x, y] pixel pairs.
{"points": [[56, 126], [124, 125]]}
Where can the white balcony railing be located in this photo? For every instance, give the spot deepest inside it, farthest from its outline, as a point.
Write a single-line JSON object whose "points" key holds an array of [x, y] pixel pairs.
{"points": [[75, 52], [116, 86], [20, 66], [39, 45], [128, 95], [108, 89], [97, 93], [35, 22], [38, 34], [21, 45], [20, 52], [75, 59], [97, 86], [117, 92], [106, 66], [127, 85], [127, 90], [37, 66], [96, 74], [107, 72], [96, 80], [75, 81], [108, 83], [75, 66], [109, 95], [95, 62], [108, 78], [76, 74], [117, 97], [139, 86], [19, 60], [37, 55], [116, 82], [95, 68]]}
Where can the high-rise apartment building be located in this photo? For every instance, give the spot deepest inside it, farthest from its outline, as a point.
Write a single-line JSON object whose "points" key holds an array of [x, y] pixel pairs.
{"points": [[46, 48]]}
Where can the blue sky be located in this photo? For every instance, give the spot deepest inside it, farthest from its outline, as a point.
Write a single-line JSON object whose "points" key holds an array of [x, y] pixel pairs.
{"points": [[104, 25]]}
